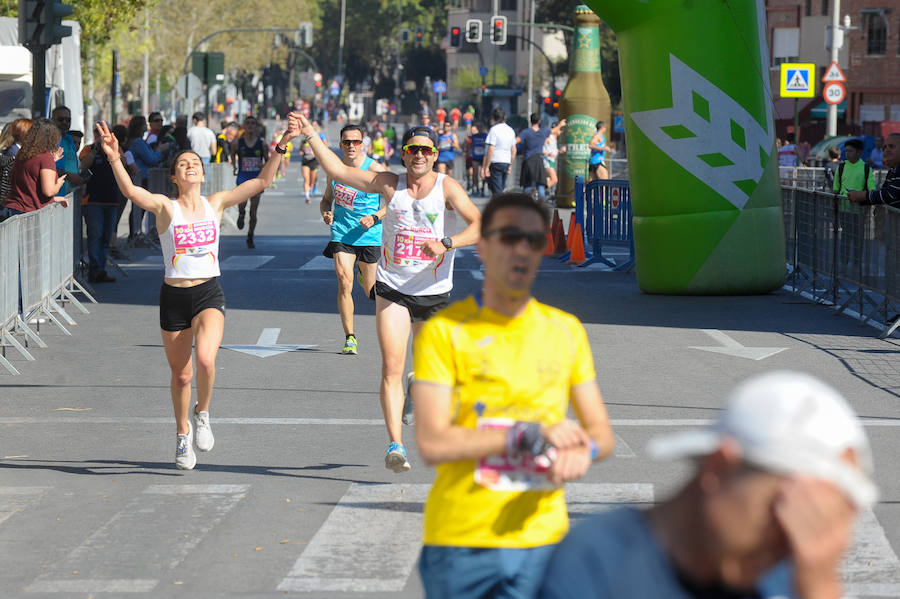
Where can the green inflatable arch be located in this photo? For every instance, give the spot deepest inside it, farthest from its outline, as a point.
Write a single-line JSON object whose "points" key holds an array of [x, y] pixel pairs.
{"points": [[701, 147]]}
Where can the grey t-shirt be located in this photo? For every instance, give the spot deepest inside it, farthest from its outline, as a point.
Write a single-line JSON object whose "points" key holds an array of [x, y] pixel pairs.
{"points": [[614, 555]]}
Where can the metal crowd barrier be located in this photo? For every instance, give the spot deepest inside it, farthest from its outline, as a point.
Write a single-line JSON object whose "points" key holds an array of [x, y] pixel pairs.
{"points": [[603, 209], [844, 254], [217, 177], [806, 177], [37, 259]]}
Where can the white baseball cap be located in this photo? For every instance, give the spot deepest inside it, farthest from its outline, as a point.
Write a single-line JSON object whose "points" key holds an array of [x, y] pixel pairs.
{"points": [[786, 422]]}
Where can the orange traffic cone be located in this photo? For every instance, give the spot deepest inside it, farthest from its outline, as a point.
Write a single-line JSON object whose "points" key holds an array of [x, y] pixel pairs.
{"points": [[571, 230], [578, 256], [548, 250], [559, 239]]}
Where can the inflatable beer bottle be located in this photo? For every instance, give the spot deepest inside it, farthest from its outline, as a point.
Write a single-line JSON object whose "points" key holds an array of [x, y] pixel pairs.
{"points": [[701, 152], [584, 101]]}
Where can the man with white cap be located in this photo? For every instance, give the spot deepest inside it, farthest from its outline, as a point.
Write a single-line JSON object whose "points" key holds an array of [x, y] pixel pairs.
{"points": [[768, 512]]}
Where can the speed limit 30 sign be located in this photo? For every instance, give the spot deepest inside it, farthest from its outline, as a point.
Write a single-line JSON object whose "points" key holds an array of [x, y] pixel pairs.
{"points": [[834, 92]]}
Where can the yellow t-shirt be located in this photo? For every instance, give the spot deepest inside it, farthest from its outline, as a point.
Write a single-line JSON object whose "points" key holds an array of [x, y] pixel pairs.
{"points": [[501, 369]]}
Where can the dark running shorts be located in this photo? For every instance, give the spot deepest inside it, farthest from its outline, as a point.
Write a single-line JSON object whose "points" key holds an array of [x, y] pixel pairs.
{"points": [[312, 163], [365, 253], [179, 305], [421, 307]]}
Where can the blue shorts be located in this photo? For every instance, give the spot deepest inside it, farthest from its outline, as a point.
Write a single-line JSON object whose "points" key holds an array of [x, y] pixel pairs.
{"points": [[475, 572]]}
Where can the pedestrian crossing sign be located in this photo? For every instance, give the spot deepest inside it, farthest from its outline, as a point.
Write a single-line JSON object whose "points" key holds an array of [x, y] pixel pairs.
{"points": [[797, 80]]}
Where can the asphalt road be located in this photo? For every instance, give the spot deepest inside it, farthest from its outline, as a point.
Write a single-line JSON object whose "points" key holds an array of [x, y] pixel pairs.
{"points": [[294, 497]]}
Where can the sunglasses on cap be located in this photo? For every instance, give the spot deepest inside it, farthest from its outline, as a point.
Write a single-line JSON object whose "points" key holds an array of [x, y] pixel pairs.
{"points": [[351, 142], [513, 236], [417, 149]]}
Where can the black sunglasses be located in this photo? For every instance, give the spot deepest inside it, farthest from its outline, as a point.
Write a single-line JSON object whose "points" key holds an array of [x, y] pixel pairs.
{"points": [[513, 235]]}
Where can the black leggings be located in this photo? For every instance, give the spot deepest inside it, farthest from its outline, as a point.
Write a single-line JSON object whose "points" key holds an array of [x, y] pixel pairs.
{"points": [[254, 206]]}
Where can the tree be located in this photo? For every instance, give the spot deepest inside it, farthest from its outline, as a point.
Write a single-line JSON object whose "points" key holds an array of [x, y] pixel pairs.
{"points": [[467, 78]]}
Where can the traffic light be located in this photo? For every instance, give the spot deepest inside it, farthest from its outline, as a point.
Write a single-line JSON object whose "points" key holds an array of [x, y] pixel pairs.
{"points": [[420, 35], [405, 35], [40, 22], [473, 30], [498, 30], [455, 37], [30, 13], [53, 30], [304, 35]]}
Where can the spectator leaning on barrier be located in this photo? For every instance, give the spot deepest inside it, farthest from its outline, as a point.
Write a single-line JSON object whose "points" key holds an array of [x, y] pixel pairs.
{"points": [[68, 164], [852, 174], [19, 128], [768, 512], [889, 194], [34, 181], [495, 376]]}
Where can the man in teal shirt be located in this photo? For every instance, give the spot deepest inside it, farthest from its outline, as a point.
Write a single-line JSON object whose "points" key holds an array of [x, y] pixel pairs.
{"points": [[852, 175], [68, 164]]}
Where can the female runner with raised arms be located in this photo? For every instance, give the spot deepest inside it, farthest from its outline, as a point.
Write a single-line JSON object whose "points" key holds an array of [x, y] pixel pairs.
{"points": [[191, 302]]}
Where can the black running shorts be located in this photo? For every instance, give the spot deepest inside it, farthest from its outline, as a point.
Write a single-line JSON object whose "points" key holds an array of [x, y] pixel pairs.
{"points": [[312, 163], [179, 305], [421, 307], [364, 253]]}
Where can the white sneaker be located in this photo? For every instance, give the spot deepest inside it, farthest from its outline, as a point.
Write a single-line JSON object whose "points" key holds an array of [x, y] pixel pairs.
{"points": [[203, 437], [185, 458]]}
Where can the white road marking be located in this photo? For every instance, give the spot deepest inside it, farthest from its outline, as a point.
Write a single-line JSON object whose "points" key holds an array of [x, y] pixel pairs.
{"points": [[871, 567], [319, 263], [18, 499], [248, 262], [120, 545], [730, 347], [623, 450], [267, 345], [372, 539]]}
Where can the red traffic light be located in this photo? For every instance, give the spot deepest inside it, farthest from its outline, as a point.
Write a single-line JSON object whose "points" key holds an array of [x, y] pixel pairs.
{"points": [[558, 93], [455, 31], [546, 100]]}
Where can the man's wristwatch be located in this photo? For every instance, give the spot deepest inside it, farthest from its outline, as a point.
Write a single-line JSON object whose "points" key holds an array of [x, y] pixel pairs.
{"points": [[281, 150], [375, 219], [448, 243]]}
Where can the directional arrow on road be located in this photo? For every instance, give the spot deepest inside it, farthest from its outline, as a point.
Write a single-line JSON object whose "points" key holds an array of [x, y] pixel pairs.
{"points": [[730, 347], [267, 345]]}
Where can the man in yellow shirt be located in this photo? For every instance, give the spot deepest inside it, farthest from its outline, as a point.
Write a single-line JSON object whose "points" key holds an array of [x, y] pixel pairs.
{"points": [[495, 374]]}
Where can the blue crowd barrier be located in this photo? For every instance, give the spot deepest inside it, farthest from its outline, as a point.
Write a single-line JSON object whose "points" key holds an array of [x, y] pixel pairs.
{"points": [[603, 209]]}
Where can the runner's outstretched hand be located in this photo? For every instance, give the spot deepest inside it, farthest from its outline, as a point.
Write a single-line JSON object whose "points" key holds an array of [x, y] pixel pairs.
{"points": [[109, 143]]}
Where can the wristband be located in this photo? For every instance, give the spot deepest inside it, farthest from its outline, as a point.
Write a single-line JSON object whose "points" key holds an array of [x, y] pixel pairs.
{"points": [[375, 219], [525, 437], [594, 450], [281, 150]]}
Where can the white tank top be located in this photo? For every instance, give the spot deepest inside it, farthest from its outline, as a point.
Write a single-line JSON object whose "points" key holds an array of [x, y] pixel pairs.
{"points": [[407, 223], [191, 250]]}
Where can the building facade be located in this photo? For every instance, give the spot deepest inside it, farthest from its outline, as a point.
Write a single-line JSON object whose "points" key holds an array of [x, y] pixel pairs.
{"points": [[799, 31]]}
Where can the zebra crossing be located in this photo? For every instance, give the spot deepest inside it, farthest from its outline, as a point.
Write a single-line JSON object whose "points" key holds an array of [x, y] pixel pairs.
{"points": [[368, 543]]}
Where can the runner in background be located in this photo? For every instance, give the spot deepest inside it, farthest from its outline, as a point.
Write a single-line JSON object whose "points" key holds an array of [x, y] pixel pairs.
{"points": [[354, 217], [250, 153], [415, 268], [448, 146], [309, 167], [475, 147]]}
